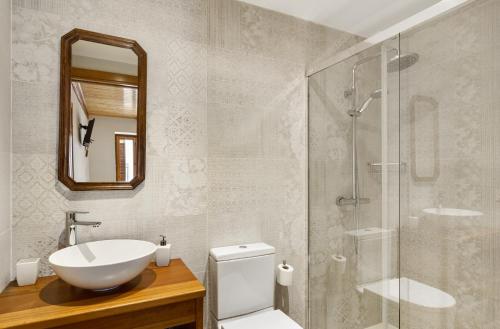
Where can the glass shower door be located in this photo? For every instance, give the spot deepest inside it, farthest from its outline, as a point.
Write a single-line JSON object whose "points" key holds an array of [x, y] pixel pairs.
{"points": [[354, 192], [450, 194]]}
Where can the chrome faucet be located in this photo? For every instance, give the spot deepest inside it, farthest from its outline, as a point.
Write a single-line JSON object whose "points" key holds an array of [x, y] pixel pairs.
{"points": [[72, 223]]}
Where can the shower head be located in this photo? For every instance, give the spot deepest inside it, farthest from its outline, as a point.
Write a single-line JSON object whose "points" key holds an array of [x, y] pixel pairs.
{"points": [[397, 63], [401, 62], [374, 95]]}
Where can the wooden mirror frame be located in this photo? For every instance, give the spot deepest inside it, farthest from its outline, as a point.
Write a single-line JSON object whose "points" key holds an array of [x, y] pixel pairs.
{"points": [[65, 110]]}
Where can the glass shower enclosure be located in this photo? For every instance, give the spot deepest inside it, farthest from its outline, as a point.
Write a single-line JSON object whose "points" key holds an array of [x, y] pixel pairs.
{"points": [[353, 190], [404, 169]]}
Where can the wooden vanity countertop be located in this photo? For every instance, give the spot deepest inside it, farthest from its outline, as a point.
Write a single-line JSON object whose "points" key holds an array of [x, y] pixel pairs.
{"points": [[52, 302]]}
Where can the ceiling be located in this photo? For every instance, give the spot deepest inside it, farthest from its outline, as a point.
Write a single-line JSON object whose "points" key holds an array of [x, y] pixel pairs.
{"points": [[109, 101], [101, 57], [102, 51], [360, 17]]}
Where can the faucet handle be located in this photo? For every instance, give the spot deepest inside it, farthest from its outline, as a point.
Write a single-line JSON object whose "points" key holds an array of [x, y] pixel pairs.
{"points": [[71, 215]]}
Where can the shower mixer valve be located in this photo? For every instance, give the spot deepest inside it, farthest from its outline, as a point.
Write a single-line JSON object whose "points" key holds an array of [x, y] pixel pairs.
{"points": [[341, 201]]}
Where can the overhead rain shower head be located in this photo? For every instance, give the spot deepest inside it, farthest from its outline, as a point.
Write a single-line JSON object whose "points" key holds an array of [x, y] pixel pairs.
{"points": [[398, 62], [401, 62], [395, 64]]}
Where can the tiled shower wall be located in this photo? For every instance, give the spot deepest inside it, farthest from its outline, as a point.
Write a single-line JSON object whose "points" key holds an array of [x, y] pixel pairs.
{"points": [[226, 128], [5, 152]]}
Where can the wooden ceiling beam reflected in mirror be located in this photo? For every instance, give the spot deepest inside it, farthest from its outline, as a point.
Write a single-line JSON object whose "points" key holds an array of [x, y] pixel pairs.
{"points": [[109, 100], [110, 78]]}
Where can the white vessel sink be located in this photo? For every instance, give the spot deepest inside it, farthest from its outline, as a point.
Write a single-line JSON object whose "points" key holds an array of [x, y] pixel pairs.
{"points": [[102, 265]]}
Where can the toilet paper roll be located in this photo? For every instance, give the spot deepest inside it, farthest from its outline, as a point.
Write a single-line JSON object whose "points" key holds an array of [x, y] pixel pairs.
{"points": [[285, 274], [335, 291], [338, 264]]}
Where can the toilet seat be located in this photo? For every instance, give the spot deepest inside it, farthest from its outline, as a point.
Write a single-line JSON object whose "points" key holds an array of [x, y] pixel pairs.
{"points": [[264, 320]]}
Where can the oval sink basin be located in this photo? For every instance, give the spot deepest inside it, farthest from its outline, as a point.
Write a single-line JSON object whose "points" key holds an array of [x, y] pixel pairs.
{"points": [[102, 265]]}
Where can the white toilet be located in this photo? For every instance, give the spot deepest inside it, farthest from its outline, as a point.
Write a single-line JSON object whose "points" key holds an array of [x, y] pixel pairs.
{"points": [[241, 284]]}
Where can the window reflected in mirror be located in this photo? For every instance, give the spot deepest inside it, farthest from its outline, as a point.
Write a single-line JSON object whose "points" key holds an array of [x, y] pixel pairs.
{"points": [[126, 160]]}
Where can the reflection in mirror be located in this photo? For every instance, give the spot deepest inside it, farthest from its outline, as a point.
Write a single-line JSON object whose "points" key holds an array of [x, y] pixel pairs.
{"points": [[103, 133]]}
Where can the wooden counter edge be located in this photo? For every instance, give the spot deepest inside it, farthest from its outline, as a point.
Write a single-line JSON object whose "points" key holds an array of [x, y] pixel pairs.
{"points": [[58, 315], [43, 318]]}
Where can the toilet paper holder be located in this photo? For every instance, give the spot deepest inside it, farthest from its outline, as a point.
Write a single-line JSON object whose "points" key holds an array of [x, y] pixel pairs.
{"points": [[285, 274], [285, 265]]}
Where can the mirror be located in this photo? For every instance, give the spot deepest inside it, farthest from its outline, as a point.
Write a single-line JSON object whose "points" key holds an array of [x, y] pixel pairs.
{"points": [[102, 134]]}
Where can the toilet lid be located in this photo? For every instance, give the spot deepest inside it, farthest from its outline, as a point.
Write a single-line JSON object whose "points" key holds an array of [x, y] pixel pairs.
{"points": [[265, 320]]}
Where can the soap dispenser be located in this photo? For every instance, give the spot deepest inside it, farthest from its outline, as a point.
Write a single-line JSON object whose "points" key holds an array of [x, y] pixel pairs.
{"points": [[163, 252]]}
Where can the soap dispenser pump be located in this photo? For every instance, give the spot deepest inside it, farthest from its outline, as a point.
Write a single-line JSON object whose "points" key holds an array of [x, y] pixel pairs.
{"points": [[163, 252]]}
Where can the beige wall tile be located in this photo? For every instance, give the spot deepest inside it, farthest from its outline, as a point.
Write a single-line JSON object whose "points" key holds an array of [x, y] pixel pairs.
{"points": [[226, 128]]}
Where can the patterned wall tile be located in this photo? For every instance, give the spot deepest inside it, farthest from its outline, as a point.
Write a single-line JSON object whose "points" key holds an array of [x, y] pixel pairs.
{"points": [[233, 228], [5, 245], [34, 198], [36, 45], [243, 165], [183, 72], [58, 7], [177, 130], [232, 185], [264, 122], [256, 29], [224, 24], [35, 121], [234, 131], [186, 20], [187, 192], [36, 238], [188, 235], [256, 132]]}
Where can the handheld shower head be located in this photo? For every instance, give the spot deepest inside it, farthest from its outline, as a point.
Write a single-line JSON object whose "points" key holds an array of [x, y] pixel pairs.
{"points": [[374, 95]]}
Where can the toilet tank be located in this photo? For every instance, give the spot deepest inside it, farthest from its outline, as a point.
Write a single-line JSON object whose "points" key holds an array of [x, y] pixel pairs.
{"points": [[241, 279]]}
